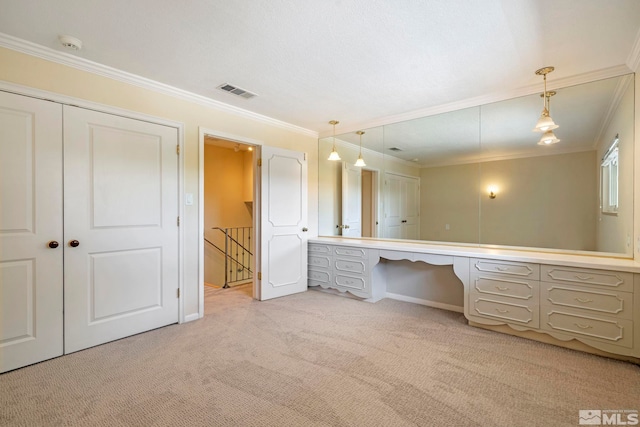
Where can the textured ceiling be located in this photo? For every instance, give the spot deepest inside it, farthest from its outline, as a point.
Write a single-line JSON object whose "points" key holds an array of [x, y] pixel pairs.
{"points": [[355, 61]]}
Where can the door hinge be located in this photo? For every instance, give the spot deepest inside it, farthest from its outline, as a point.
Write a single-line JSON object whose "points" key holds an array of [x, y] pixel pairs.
{"points": [[305, 157], [259, 275], [177, 149], [178, 292], [178, 221], [259, 162]]}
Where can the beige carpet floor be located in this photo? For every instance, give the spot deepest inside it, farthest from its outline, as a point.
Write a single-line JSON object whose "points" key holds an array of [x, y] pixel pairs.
{"points": [[315, 359]]}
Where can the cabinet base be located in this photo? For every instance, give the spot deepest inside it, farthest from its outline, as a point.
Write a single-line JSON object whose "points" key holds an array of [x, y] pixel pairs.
{"points": [[547, 339]]}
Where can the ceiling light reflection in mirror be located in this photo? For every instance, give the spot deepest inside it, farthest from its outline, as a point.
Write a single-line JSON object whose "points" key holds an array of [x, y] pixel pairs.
{"points": [[464, 152]]}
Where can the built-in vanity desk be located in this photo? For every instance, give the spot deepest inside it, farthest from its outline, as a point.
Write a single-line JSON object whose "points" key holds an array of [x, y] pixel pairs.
{"points": [[583, 302]]}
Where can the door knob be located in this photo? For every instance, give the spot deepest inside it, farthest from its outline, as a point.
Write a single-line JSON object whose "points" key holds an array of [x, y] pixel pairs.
{"points": [[305, 229], [74, 243], [53, 244]]}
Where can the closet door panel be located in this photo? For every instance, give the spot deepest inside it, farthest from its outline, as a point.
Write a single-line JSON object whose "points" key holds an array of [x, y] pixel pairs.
{"points": [[30, 219], [121, 207]]}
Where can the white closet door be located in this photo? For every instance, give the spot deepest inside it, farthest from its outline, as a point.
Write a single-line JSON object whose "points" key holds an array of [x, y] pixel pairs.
{"points": [[402, 207], [121, 208], [393, 207], [30, 219], [283, 223], [411, 195], [351, 200]]}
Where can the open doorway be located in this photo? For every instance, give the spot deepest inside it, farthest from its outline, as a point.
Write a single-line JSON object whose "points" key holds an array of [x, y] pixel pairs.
{"points": [[228, 199]]}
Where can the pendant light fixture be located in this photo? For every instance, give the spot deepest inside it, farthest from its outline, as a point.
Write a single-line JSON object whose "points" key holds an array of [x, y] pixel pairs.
{"points": [[545, 122], [334, 154], [360, 162], [548, 137]]}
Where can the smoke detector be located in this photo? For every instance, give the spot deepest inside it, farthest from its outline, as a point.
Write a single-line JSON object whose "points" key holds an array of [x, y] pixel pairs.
{"points": [[70, 42]]}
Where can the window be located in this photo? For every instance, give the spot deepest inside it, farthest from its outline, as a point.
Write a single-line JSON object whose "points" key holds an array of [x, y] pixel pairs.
{"points": [[609, 179]]}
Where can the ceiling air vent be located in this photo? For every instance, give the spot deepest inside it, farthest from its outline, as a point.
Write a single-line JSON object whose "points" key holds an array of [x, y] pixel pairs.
{"points": [[395, 149], [236, 91]]}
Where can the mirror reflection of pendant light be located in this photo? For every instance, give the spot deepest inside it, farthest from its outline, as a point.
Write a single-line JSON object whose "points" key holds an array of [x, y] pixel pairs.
{"points": [[360, 162], [545, 122], [334, 154], [548, 137]]}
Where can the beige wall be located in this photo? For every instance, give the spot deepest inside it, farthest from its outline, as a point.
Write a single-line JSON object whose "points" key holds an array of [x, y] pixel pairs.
{"points": [[41, 74], [636, 167], [530, 209], [449, 196], [614, 231], [226, 178]]}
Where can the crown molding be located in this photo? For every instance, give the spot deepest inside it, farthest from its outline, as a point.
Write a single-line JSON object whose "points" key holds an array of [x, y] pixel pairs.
{"points": [[86, 65], [515, 156], [633, 60], [591, 76]]}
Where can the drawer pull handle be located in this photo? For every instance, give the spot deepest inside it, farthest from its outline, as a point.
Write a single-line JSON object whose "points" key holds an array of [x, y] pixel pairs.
{"points": [[502, 268], [583, 277], [581, 326], [500, 288], [349, 282], [348, 266], [502, 311], [584, 300]]}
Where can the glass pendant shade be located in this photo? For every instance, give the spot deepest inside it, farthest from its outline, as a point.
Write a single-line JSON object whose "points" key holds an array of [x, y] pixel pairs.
{"points": [[545, 122], [548, 138], [360, 162], [334, 156]]}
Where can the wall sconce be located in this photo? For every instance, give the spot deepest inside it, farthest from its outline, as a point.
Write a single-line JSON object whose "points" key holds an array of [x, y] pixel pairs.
{"points": [[493, 191], [360, 162], [334, 154]]}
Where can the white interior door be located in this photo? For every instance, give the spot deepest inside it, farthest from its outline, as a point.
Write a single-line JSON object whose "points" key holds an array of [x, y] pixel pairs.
{"points": [[30, 218], [121, 208], [393, 209], [283, 223], [411, 195], [402, 207], [351, 200]]}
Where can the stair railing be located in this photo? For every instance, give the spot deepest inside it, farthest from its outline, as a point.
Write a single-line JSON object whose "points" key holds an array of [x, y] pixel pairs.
{"points": [[237, 256]]}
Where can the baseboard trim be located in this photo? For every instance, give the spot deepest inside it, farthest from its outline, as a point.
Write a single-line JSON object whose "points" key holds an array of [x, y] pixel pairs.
{"points": [[426, 302], [191, 317]]}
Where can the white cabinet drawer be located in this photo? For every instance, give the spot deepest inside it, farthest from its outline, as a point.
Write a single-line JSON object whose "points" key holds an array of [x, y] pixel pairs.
{"points": [[505, 286], [507, 268], [341, 251], [319, 278], [614, 331], [350, 282], [350, 266], [618, 280], [608, 302], [524, 314], [315, 248], [319, 261]]}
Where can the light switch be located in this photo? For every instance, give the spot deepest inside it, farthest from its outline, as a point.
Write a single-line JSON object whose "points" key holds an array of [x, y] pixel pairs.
{"points": [[188, 199]]}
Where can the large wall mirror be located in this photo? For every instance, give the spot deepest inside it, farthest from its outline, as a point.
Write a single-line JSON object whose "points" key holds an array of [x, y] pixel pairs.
{"points": [[478, 176]]}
